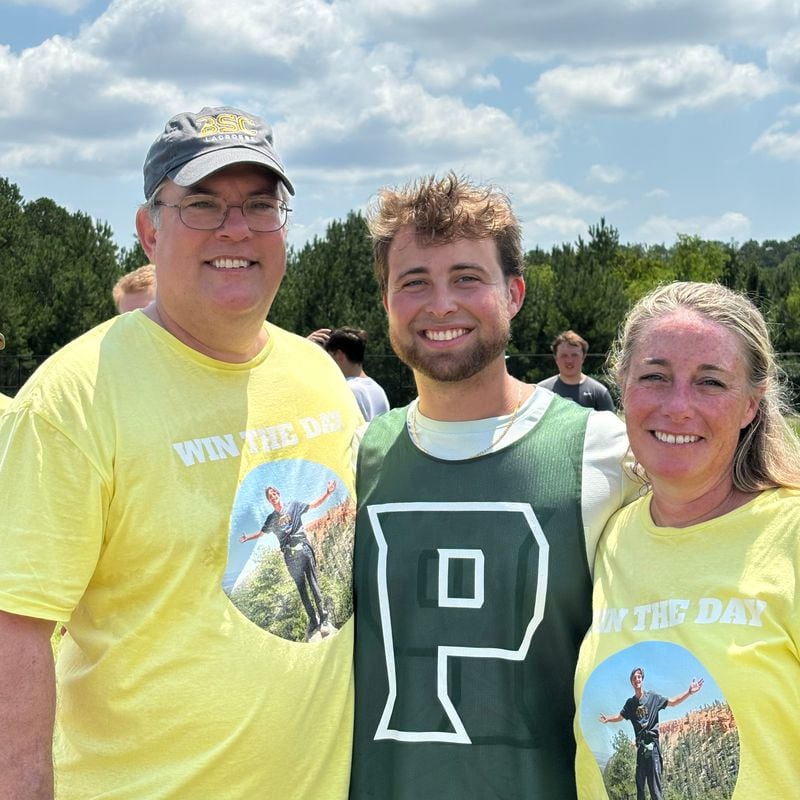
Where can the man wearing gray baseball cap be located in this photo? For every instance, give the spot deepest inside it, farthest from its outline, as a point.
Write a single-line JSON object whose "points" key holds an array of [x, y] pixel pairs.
{"points": [[131, 465]]}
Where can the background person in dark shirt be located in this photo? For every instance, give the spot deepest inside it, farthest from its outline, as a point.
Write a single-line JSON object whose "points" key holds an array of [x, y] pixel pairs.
{"points": [[569, 352]]}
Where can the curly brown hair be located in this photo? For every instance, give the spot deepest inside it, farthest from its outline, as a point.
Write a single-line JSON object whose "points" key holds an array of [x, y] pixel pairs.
{"points": [[442, 210]]}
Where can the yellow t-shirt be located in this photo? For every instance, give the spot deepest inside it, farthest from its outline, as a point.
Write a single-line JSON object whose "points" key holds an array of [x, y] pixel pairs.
{"points": [[4, 402], [716, 602], [137, 467]]}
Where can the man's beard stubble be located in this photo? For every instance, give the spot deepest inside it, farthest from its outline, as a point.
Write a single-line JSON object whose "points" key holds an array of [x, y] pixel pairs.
{"points": [[451, 367]]}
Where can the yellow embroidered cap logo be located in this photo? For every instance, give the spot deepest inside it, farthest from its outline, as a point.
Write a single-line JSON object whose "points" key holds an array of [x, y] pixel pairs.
{"points": [[226, 123]]}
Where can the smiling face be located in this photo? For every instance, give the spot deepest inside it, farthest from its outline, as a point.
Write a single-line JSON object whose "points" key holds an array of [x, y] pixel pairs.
{"points": [[686, 398], [449, 306], [273, 497], [637, 678], [212, 285]]}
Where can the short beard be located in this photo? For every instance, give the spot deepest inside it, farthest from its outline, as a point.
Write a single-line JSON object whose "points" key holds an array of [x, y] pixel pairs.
{"points": [[447, 367]]}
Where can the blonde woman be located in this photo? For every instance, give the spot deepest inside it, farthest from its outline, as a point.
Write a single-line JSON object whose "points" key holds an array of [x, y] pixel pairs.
{"points": [[697, 580]]}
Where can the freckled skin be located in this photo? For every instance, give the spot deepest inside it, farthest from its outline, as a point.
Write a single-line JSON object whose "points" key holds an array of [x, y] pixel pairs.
{"points": [[687, 378]]}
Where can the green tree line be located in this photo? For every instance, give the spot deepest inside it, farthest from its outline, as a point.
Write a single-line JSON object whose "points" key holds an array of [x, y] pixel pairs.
{"points": [[57, 268]]}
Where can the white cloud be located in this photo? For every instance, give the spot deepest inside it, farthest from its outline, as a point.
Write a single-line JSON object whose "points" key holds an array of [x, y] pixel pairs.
{"points": [[375, 127], [664, 230], [67, 107], [555, 198], [343, 109], [446, 74], [657, 194], [659, 86], [553, 229], [362, 93], [553, 213], [50, 90], [485, 81], [779, 141], [578, 29], [270, 44], [606, 173], [337, 97], [784, 57]]}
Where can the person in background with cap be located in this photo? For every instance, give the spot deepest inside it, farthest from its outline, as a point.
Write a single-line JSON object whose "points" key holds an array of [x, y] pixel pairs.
{"points": [[130, 465]]}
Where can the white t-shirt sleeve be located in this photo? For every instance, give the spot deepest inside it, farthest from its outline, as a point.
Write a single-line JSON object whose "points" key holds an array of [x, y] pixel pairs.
{"points": [[607, 480]]}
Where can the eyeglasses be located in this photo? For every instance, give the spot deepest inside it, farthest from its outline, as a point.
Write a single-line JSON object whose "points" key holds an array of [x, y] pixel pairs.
{"points": [[205, 212]]}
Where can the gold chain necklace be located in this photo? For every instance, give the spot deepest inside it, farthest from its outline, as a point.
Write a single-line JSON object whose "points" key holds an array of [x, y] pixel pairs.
{"points": [[412, 429]]}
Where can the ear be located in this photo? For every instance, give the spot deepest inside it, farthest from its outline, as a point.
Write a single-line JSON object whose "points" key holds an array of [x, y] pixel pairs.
{"points": [[148, 233], [516, 294], [752, 408]]}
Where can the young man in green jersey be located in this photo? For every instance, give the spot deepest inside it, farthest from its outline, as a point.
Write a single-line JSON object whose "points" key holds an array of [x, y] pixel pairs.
{"points": [[479, 508]]}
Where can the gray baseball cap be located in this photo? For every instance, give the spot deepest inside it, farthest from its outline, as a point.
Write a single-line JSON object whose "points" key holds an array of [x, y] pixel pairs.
{"points": [[193, 146]]}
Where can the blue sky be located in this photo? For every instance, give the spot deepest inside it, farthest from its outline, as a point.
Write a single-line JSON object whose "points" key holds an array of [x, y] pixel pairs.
{"points": [[663, 116]]}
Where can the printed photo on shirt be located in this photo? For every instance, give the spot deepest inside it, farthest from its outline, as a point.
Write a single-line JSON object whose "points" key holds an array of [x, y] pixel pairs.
{"points": [[290, 550], [659, 726]]}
